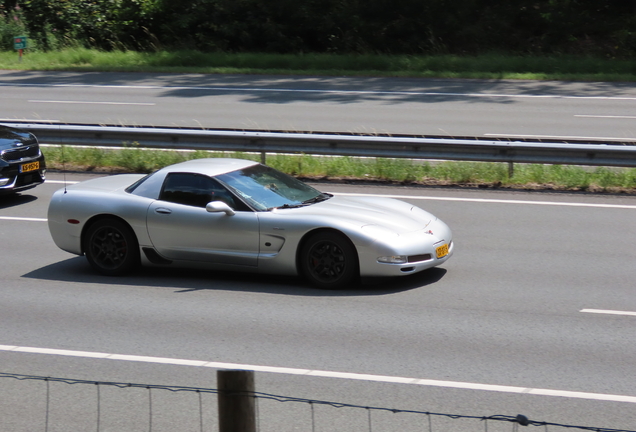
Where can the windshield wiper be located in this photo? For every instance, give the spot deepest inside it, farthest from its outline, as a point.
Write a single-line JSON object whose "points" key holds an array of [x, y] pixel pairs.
{"points": [[287, 206], [318, 198], [314, 200]]}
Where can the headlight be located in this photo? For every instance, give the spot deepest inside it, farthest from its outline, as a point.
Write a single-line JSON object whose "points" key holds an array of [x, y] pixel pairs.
{"points": [[4, 181], [395, 259]]}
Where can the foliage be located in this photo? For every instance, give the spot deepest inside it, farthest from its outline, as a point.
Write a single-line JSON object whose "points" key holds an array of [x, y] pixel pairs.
{"points": [[104, 24], [11, 24], [598, 27]]}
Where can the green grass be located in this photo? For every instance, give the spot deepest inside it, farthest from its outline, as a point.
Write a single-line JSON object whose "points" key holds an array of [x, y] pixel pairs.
{"points": [[492, 66], [402, 171]]}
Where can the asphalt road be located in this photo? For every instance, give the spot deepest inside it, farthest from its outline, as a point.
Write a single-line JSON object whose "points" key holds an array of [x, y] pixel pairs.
{"points": [[509, 325], [488, 108]]}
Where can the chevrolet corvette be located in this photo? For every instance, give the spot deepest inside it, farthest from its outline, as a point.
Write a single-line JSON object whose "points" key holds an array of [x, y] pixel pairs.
{"points": [[235, 214]]}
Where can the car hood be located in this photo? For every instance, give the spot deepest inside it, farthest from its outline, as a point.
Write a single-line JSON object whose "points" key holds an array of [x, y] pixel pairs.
{"points": [[397, 216], [12, 138]]}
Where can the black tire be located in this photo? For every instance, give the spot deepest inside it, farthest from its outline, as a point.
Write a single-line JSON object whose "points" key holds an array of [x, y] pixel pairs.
{"points": [[111, 247], [328, 260]]}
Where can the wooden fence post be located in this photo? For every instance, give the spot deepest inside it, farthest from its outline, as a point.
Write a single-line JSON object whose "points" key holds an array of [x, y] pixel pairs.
{"points": [[237, 404]]}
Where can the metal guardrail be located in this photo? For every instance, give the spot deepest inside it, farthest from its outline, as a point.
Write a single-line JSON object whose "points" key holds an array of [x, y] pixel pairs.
{"points": [[572, 153]]}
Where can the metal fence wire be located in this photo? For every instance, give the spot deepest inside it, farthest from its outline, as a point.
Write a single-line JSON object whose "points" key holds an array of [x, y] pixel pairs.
{"points": [[38, 403]]}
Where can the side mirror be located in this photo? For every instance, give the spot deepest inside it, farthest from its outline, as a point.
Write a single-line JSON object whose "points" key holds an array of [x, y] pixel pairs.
{"points": [[219, 207]]}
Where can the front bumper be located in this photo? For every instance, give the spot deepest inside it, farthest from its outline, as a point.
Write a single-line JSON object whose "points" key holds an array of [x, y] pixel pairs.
{"points": [[418, 248], [390, 269], [12, 179]]}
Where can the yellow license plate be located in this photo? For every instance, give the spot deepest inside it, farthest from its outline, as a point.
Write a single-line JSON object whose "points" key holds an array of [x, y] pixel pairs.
{"points": [[30, 167], [441, 251]]}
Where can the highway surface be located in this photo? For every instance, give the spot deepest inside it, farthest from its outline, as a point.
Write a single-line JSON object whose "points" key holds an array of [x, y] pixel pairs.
{"points": [[535, 314], [490, 108]]}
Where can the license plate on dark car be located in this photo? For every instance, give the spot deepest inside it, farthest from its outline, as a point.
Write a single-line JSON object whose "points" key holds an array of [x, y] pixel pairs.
{"points": [[32, 166]]}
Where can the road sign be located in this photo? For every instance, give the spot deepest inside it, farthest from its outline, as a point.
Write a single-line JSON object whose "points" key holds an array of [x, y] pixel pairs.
{"points": [[19, 42]]}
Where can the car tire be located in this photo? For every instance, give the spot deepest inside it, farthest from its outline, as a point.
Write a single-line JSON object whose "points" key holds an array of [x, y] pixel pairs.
{"points": [[329, 260], [111, 247]]}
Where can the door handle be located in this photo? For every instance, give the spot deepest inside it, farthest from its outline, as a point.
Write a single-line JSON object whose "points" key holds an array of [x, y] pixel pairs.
{"points": [[163, 210]]}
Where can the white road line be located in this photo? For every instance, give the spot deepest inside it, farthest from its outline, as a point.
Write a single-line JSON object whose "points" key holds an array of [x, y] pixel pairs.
{"points": [[91, 102], [60, 182], [24, 219], [407, 197], [494, 201], [608, 312], [325, 374], [605, 116], [29, 120], [118, 148], [553, 137], [326, 91]]}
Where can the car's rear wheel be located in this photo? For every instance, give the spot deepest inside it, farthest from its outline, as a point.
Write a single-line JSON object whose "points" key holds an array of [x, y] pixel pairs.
{"points": [[111, 247], [328, 260]]}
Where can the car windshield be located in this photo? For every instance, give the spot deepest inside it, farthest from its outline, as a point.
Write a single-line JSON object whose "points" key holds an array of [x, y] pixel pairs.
{"points": [[264, 188]]}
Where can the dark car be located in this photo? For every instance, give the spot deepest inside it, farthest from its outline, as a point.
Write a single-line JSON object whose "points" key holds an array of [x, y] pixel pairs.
{"points": [[22, 164]]}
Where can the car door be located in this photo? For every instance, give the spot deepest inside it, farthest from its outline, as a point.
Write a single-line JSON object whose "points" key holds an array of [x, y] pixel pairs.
{"points": [[180, 227]]}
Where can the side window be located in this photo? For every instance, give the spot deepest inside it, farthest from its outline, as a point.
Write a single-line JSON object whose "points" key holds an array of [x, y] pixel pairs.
{"points": [[196, 190]]}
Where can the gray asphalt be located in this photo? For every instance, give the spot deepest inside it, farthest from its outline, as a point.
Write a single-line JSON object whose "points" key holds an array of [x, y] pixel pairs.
{"points": [[371, 105], [504, 311]]}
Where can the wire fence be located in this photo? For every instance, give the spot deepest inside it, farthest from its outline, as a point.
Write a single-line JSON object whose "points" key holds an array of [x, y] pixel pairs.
{"points": [[46, 404]]}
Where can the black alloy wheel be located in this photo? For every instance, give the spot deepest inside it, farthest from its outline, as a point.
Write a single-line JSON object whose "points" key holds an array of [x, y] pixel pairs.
{"points": [[111, 247], [329, 261]]}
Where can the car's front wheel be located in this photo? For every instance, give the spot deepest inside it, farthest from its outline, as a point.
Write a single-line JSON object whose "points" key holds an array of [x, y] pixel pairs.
{"points": [[111, 247], [329, 261]]}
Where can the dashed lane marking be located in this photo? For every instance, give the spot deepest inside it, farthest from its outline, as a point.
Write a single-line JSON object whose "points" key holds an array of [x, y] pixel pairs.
{"points": [[608, 312]]}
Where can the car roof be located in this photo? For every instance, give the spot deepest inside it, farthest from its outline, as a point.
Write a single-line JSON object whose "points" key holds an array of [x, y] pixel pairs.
{"points": [[210, 166]]}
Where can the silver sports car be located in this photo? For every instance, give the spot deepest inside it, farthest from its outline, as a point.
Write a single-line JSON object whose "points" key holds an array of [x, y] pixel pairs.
{"points": [[234, 214]]}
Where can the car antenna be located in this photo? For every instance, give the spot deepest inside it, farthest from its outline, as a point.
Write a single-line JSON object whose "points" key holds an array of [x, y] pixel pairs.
{"points": [[63, 165]]}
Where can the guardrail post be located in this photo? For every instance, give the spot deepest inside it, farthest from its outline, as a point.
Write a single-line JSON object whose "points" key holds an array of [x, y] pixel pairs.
{"points": [[237, 404], [511, 170], [263, 157]]}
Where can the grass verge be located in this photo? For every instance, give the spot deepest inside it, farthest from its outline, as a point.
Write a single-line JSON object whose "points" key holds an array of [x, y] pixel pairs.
{"points": [[490, 66], [396, 171]]}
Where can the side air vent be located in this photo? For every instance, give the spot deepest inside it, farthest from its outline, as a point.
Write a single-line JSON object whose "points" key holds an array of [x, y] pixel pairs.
{"points": [[154, 257]]}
